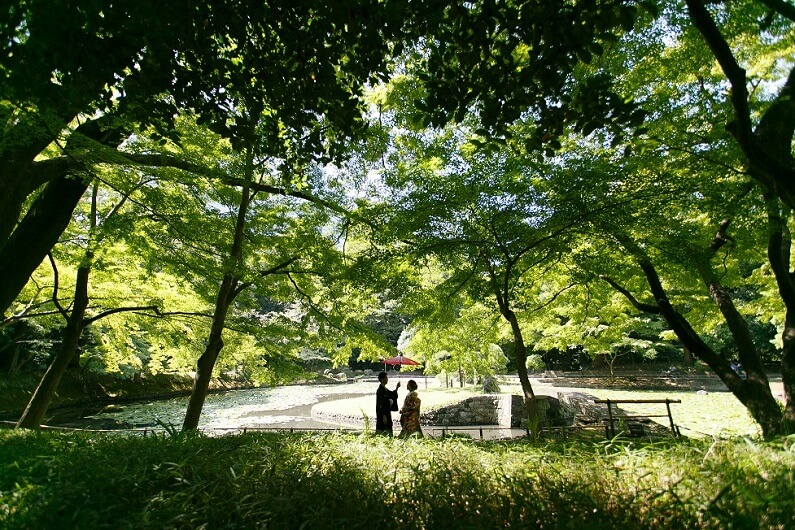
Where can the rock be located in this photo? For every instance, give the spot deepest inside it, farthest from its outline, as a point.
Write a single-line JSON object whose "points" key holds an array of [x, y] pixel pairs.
{"points": [[580, 406]]}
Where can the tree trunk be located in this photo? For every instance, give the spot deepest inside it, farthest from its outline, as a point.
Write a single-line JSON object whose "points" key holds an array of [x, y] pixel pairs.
{"points": [[36, 234], [754, 392], [738, 327], [206, 363], [10, 355], [768, 147], [778, 252], [37, 406], [226, 295], [28, 134], [19, 146], [520, 352], [687, 357], [788, 380]]}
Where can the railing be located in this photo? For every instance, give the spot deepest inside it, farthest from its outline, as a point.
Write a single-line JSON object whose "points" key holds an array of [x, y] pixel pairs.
{"points": [[476, 432], [610, 428]]}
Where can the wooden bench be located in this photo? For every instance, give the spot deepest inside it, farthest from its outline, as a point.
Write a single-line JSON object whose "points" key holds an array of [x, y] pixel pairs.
{"points": [[613, 416]]}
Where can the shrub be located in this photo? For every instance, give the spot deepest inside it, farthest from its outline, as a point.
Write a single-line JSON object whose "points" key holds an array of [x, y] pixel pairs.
{"points": [[283, 480], [535, 362]]}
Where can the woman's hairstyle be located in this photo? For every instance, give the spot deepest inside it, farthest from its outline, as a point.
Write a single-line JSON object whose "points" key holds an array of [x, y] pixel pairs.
{"points": [[411, 385]]}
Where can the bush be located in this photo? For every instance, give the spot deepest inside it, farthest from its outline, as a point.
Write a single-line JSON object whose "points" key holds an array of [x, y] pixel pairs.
{"points": [[282, 480], [490, 385], [534, 363]]}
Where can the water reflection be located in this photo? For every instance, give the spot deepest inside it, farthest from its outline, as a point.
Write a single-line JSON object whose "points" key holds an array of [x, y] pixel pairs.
{"points": [[278, 406]]}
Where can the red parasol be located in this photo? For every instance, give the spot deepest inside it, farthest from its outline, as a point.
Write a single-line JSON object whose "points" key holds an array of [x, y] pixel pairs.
{"points": [[400, 361]]}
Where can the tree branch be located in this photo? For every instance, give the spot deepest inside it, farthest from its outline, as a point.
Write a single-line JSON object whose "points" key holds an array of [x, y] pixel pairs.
{"points": [[549, 302], [704, 23], [781, 7], [55, 277], [698, 154], [26, 313], [183, 313], [463, 282], [312, 305], [721, 238], [275, 190], [89, 321], [161, 160], [273, 270], [641, 306]]}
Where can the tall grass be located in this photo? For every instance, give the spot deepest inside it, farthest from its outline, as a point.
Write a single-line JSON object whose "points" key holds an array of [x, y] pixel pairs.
{"points": [[274, 480]]}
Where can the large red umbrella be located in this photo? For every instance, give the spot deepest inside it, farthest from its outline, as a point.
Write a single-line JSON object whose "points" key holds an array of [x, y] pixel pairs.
{"points": [[399, 361]]}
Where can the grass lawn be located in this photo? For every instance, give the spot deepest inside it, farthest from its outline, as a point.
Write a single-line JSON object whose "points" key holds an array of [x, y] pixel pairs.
{"points": [[714, 414]]}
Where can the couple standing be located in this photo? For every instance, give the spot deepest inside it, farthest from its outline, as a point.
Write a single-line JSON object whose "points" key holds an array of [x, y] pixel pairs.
{"points": [[386, 401]]}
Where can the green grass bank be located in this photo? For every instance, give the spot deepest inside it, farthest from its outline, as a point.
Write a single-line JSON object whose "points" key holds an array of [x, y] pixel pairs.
{"points": [[281, 480]]}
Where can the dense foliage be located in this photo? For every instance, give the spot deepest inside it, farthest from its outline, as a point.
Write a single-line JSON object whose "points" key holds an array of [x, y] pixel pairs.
{"points": [[330, 481]]}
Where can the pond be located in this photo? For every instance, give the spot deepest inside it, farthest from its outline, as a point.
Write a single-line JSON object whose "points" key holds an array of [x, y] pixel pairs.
{"points": [[284, 407], [274, 407]]}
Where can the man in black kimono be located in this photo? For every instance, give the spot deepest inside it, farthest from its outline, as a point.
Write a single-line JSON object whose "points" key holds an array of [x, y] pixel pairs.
{"points": [[385, 401]]}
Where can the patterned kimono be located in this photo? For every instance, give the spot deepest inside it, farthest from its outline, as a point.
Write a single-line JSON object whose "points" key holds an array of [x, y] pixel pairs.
{"points": [[410, 415], [383, 409]]}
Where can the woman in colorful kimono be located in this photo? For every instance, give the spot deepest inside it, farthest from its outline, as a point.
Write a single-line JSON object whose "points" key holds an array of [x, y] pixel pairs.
{"points": [[410, 413]]}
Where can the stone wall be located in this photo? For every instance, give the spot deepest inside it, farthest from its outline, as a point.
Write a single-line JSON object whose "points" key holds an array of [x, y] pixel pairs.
{"points": [[491, 409], [551, 409], [495, 409]]}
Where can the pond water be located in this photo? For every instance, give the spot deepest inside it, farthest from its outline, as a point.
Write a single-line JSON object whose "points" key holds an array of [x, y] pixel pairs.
{"points": [[277, 407], [284, 407]]}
